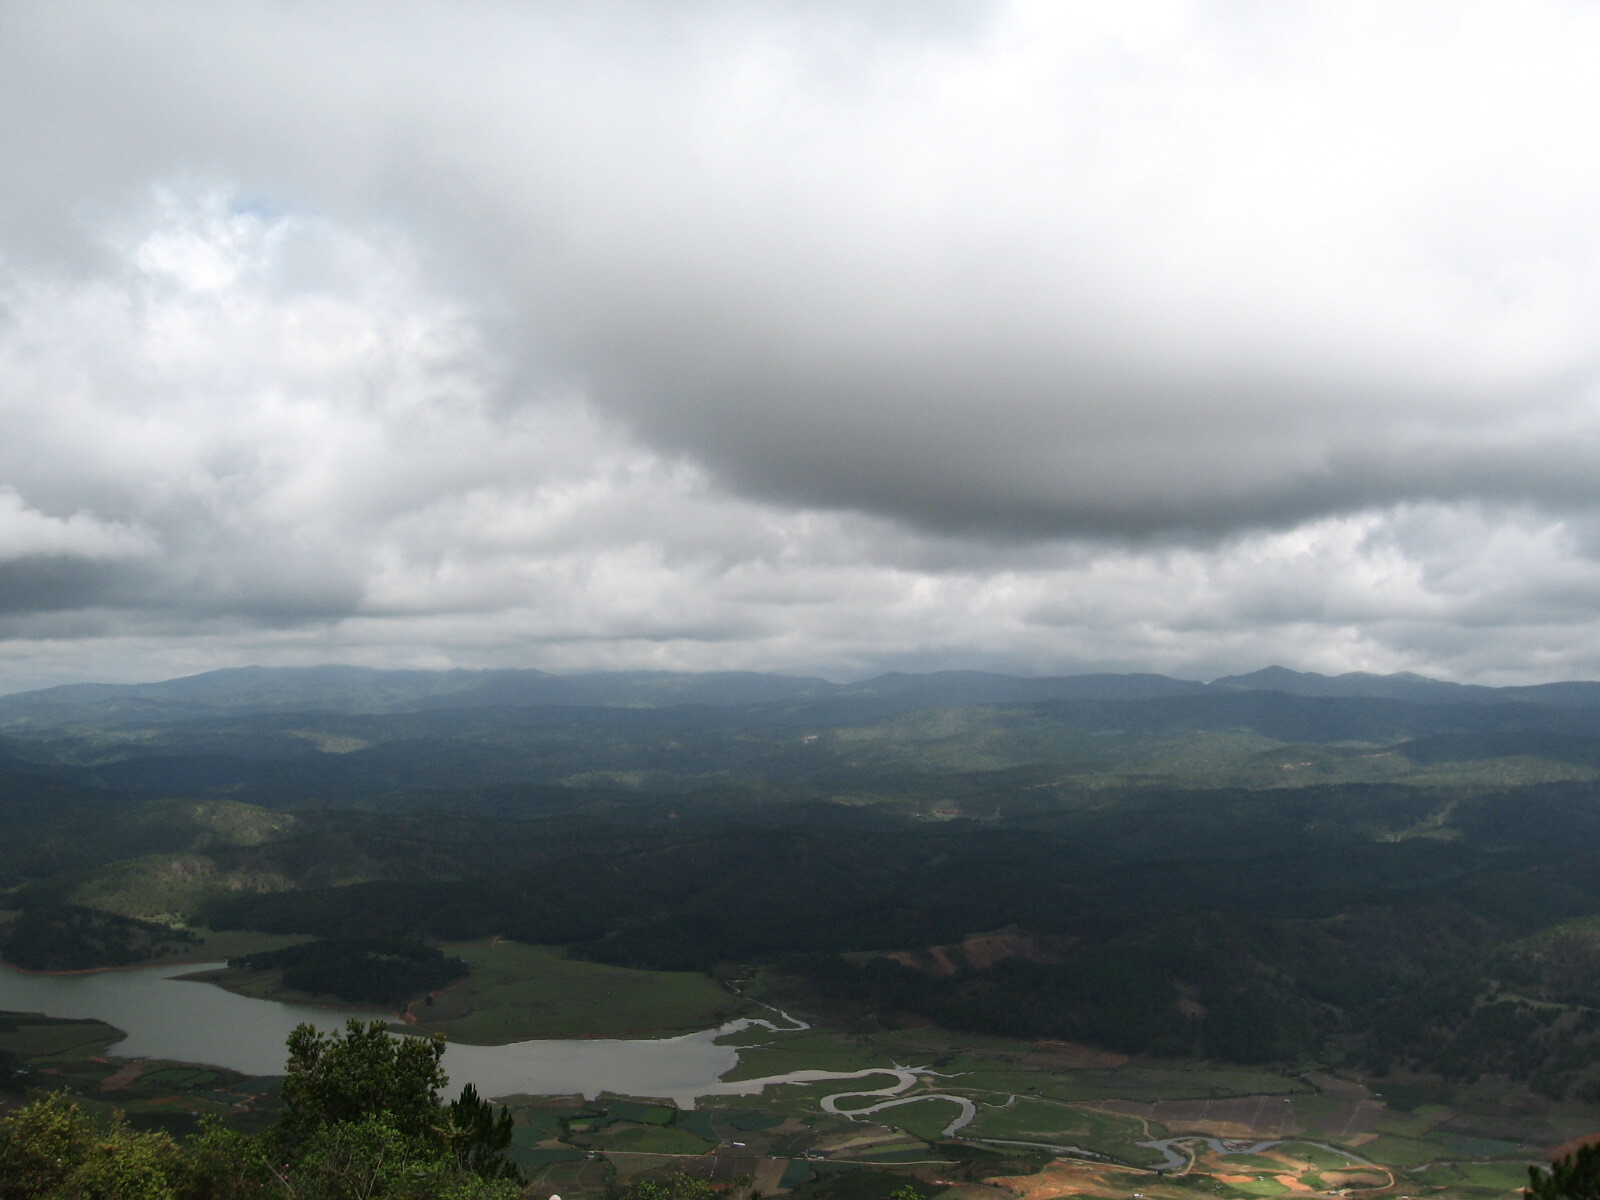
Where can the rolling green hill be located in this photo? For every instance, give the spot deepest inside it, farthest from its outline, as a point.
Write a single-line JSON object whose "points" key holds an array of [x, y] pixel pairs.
{"points": [[1393, 874]]}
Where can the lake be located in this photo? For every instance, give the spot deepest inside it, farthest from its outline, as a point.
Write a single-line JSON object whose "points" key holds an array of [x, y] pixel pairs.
{"points": [[189, 1021]]}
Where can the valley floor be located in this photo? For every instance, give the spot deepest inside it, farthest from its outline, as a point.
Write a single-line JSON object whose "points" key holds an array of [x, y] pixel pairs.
{"points": [[1048, 1120]]}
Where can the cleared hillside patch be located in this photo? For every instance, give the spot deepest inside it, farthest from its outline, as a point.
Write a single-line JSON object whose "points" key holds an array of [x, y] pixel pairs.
{"points": [[517, 992]]}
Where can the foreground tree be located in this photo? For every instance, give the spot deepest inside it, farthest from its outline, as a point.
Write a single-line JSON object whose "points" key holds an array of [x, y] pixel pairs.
{"points": [[363, 1073], [679, 1185], [365, 1107], [1574, 1177], [362, 1120], [477, 1137], [51, 1150], [371, 1159]]}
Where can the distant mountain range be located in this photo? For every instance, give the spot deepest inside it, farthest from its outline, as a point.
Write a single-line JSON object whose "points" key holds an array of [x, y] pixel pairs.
{"points": [[364, 690]]}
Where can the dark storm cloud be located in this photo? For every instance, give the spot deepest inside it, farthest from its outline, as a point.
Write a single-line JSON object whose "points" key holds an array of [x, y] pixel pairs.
{"points": [[45, 583], [973, 268]]}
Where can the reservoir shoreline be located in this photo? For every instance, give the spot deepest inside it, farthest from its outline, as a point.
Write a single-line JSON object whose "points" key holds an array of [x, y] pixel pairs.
{"points": [[167, 1014]]}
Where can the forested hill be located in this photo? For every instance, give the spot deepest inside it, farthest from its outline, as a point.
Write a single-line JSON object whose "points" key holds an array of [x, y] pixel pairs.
{"points": [[288, 737], [1380, 872]]}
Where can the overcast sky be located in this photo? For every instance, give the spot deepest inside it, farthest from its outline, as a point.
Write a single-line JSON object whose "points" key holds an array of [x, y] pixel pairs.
{"points": [[831, 337]]}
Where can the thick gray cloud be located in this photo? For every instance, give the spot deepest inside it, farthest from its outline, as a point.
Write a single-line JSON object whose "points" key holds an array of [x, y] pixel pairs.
{"points": [[826, 336]]}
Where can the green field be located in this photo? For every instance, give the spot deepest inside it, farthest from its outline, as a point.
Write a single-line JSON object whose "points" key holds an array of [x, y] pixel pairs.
{"points": [[1040, 1121], [926, 1121], [517, 992], [31, 1036], [1416, 1123], [652, 1139], [1259, 1187], [813, 1051], [221, 944], [1402, 1152], [1477, 1177]]}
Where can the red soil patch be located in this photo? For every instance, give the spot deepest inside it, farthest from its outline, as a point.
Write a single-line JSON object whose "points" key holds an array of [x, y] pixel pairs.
{"points": [[1070, 1177], [979, 952], [122, 1078], [1572, 1147], [410, 1018]]}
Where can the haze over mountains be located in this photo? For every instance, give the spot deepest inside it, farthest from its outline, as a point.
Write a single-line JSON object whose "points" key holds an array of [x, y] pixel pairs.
{"points": [[284, 736], [366, 690]]}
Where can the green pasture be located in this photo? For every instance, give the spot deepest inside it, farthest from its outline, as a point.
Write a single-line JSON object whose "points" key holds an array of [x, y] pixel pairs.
{"points": [[923, 1120], [752, 1121], [698, 1122], [653, 1139], [1479, 1147], [1258, 1187], [643, 1114], [801, 1099], [31, 1036], [986, 1077], [910, 1150], [813, 1051], [517, 992], [1477, 1177], [1317, 1112], [1394, 1151], [1038, 1121], [539, 1123], [1416, 1123], [1082, 1087]]}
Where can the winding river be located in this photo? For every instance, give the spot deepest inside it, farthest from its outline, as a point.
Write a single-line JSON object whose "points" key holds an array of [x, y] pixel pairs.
{"points": [[1175, 1161], [905, 1077]]}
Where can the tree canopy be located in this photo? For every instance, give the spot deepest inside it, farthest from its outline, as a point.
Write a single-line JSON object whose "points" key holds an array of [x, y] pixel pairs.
{"points": [[1574, 1177], [363, 1119], [362, 1073]]}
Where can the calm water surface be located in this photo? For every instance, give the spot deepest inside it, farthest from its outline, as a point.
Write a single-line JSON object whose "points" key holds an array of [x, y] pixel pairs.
{"points": [[165, 1017]]}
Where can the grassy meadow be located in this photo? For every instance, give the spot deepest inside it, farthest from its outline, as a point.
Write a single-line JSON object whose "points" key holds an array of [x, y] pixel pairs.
{"points": [[517, 992]]}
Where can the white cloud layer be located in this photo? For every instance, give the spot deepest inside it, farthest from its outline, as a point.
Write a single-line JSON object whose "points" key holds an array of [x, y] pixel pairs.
{"points": [[812, 336]]}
